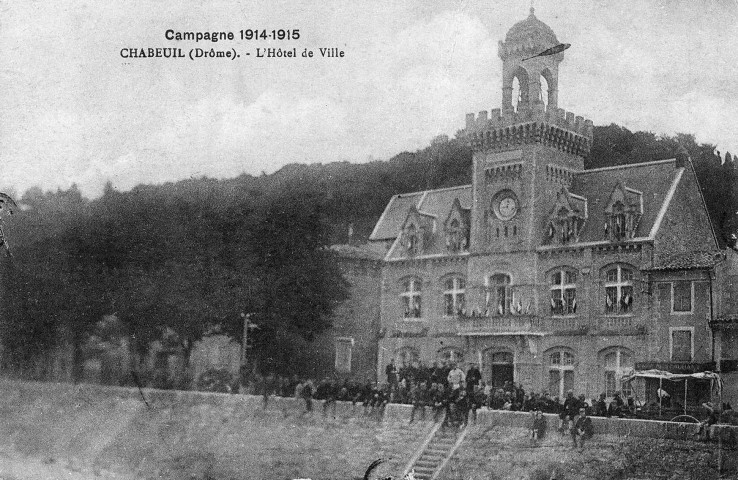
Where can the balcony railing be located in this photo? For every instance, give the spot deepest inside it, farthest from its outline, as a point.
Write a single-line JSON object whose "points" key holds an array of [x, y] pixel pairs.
{"points": [[499, 325], [676, 367]]}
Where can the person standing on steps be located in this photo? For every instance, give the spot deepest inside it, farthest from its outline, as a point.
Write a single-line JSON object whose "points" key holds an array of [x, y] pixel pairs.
{"points": [[455, 378]]}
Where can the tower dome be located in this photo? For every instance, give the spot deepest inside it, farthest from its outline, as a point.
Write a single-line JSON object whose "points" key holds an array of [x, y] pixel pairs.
{"points": [[527, 36]]}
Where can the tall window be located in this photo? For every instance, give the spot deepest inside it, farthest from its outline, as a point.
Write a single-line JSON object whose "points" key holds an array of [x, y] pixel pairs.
{"points": [[410, 298], [682, 296], [560, 372], [564, 292], [411, 240], [453, 296], [617, 364], [619, 290], [499, 294], [344, 350], [682, 344]]}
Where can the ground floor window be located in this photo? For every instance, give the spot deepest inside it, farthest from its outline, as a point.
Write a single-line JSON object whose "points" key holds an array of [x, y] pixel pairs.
{"points": [[560, 372], [618, 363]]}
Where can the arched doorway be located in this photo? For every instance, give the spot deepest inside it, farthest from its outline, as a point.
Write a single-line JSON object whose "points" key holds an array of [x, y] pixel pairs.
{"points": [[499, 368]]}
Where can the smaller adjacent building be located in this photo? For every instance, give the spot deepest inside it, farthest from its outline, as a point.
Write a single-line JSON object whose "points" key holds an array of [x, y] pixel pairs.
{"points": [[349, 349]]}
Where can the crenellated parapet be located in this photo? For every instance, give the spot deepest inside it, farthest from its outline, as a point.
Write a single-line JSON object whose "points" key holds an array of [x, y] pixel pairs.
{"points": [[509, 129]]}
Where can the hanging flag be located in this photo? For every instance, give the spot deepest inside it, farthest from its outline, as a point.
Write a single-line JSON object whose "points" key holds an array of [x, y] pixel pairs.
{"points": [[500, 309], [551, 231], [551, 51], [511, 308], [608, 301], [574, 306], [519, 308], [527, 307]]}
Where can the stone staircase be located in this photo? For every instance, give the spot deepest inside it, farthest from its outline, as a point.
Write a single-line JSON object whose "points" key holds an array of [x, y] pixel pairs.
{"points": [[438, 448]]}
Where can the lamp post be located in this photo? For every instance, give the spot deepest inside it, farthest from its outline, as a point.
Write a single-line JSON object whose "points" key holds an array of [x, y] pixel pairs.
{"points": [[247, 325]]}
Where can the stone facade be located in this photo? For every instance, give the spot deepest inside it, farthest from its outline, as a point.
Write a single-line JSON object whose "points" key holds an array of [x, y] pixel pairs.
{"points": [[547, 274], [349, 348]]}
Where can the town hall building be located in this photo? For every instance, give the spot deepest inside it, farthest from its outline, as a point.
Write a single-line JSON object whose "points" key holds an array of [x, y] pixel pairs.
{"points": [[544, 273]]}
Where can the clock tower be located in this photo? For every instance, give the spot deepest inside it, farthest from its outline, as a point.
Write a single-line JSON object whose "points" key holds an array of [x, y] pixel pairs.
{"points": [[526, 151]]}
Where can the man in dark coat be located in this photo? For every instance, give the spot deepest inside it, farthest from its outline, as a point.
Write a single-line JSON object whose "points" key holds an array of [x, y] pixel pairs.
{"points": [[473, 377], [391, 372], [582, 429]]}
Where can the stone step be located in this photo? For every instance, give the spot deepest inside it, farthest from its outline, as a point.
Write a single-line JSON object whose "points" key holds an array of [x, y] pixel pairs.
{"points": [[433, 454]]}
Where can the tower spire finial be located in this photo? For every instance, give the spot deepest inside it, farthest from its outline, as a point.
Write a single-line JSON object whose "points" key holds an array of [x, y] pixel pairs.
{"points": [[532, 9]]}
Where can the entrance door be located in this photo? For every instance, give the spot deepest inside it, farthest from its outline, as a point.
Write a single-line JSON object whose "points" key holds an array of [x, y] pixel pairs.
{"points": [[502, 369]]}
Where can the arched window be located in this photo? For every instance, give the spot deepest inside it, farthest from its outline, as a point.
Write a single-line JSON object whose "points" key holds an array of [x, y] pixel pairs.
{"points": [[519, 86], [450, 355], [619, 290], [560, 372], [618, 362], [564, 292], [410, 298], [499, 294], [406, 356], [544, 91], [453, 296]]}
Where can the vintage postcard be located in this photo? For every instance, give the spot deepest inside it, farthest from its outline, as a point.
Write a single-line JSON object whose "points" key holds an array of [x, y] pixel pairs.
{"points": [[368, 240]]}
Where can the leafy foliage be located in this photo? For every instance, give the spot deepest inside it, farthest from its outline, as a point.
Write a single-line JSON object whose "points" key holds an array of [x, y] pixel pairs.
{"points": [[183, 257]]}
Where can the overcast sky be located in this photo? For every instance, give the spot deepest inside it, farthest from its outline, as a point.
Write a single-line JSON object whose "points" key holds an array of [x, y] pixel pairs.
{"points": [[73, 111]]}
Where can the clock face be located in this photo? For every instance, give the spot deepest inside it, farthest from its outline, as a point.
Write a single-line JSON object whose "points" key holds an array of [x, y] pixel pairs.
{"points": [[507, 207]]}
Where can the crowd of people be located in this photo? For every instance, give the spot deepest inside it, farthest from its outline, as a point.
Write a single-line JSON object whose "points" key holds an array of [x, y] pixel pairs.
{"points": [[446, 391]]}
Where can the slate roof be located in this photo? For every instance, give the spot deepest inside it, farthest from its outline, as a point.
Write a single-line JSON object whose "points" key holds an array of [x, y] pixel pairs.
{"points": [[688, 261], [430, 202], [653, 179]]}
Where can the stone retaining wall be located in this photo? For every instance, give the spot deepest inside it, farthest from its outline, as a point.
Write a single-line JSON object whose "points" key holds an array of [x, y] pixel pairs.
{"points": [[393, 412]]}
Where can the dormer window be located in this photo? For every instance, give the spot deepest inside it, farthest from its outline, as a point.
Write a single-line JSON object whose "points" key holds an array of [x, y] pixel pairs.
{"points": [[412, 242], [456, 228], [623, 211], [566, 218], [455, 237]]}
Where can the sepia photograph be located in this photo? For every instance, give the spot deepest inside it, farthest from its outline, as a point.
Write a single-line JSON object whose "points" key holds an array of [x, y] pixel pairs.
{"points": [[375, 240]]}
